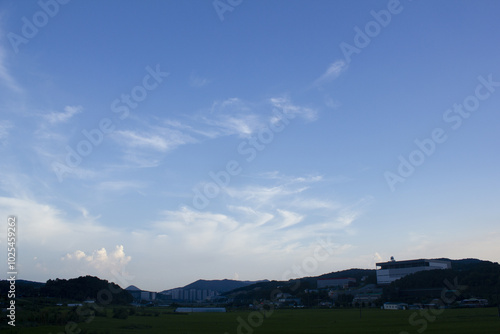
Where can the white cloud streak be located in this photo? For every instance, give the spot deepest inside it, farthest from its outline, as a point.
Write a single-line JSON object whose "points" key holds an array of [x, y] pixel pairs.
{"points": [[287, 107], [5, 126], [63, 117], [332, 72], [112, 186], [196, 81], [157, 139], [5, 77]]}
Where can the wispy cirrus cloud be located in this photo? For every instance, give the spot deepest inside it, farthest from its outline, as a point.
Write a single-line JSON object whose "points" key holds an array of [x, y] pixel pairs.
{"points": [[229, 117], [112, 186], [331, 103], [278, 186], [241, 125], [235, 116], [6, 79], [143, 140], [145, 143], [198, 231], [332, 72], [232, 116], [231, 104], [62, 117], [289, 218], [146, 146], [286, 106], [276, 231], [262, 194], [154, 138], [191, 129], [350, 213], [276, 175], [5, 127], [197, 81]]}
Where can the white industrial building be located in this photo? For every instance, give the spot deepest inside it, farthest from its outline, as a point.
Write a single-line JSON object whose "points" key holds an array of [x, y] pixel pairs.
{"points": [[393, 270], [191, 294]]}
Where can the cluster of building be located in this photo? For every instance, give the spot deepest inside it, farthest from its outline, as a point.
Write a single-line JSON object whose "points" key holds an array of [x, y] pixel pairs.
{"points": [[191, 295], [141, 296], [174, 295], [474, 302], [434, 304]]}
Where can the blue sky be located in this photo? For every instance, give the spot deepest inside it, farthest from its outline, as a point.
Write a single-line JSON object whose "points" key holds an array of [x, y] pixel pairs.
{"points": [[158, 143]]}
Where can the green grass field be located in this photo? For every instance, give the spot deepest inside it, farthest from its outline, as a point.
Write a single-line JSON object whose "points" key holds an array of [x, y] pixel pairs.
{"points": [[318, 321]]}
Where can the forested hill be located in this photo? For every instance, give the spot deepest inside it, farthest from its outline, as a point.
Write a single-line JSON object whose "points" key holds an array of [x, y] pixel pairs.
{"points": [[86, 287], [76, 289]]}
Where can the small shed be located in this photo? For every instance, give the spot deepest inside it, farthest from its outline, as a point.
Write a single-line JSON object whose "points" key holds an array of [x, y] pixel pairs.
{"points": [[395, 306]]}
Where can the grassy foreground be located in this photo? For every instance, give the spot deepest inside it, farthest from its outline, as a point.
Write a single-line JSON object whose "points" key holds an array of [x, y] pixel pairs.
{"points": [[318, 321]]}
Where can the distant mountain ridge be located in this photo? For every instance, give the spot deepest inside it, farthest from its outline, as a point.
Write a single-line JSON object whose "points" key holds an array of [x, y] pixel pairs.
{"points": [[221, 286]]}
